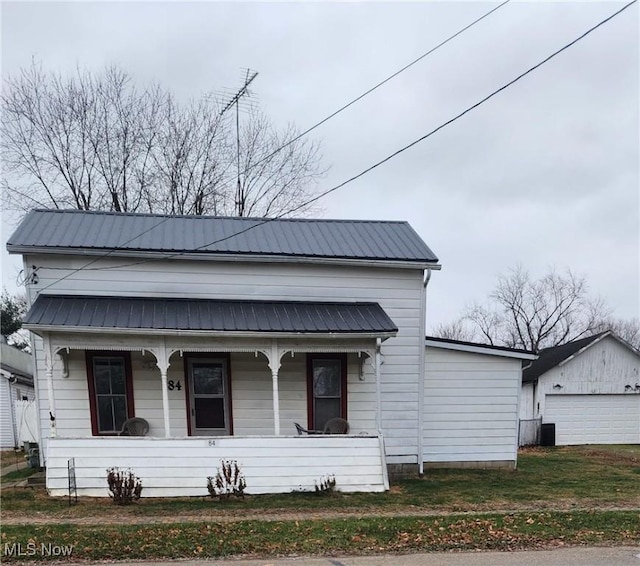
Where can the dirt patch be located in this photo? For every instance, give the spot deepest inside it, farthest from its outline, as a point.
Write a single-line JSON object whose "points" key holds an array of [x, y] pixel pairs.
{"points": [[114, 515], [610, 457]]}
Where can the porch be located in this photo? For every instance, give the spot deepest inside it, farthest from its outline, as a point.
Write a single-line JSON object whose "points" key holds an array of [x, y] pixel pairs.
{"points": [[173, 467], [211, 394]]}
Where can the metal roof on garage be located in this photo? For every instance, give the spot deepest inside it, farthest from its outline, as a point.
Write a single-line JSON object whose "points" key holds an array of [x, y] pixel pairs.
{"points": [[70, 311], [64, 230], [551, 357]]}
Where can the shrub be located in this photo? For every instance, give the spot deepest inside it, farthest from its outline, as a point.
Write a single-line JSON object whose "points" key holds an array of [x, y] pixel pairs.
{"points": [[228, 481], [326, 485], [124, 486]]}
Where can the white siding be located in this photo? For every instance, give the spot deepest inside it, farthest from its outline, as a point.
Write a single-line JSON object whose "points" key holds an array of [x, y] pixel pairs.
{"points": [[251, 395], [7, 438], [396, 290], [604, 368], [9, 393], [471, 407], [179, 467]]}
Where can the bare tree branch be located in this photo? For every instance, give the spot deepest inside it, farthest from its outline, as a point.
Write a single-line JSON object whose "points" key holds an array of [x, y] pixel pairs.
{"points": [[95, 141], [537, 313]]}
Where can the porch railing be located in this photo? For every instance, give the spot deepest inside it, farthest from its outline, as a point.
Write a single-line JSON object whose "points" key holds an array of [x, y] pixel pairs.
{"points": [[171, 467]]}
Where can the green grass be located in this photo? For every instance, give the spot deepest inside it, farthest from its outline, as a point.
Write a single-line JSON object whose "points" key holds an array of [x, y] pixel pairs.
{"points": [[546, 478], [577, 478], [18, 475], [326, 537]]}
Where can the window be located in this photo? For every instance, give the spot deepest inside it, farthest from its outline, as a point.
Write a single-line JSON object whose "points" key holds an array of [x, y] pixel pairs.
{"points": [[326, 388], [110, 391]]}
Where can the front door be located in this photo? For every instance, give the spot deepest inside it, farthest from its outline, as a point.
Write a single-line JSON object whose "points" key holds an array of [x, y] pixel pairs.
{"points": [[209, 396]]}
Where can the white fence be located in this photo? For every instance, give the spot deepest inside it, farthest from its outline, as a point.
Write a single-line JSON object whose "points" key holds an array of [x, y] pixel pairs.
{"points": [[26, 416], [529, 432]]}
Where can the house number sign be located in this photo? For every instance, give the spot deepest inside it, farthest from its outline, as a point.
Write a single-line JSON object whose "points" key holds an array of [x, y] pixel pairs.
{"points": [[171, 385]]}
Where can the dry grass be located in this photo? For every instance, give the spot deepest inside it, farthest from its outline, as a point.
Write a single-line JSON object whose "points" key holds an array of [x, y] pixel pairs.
{"points": [[9, 457], [591, 477]]}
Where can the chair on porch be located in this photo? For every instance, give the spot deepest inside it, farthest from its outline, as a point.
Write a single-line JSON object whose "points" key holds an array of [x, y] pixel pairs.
{"points": [[306, 431], [135, 427], [336, 426]]}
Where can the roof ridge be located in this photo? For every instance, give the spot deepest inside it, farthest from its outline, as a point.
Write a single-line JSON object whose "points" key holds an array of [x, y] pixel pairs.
{"points": [[211, 217]]}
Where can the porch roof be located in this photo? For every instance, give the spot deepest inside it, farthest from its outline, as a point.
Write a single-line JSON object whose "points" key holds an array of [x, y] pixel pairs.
{"points": [[71, 312]]}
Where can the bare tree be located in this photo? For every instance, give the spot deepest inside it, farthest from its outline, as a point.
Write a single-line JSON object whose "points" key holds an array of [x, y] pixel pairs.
{"points": [[97, 142], [456, 330], [191, 157], [12, 310], [270, 180], [536, 313], [627, 329]]}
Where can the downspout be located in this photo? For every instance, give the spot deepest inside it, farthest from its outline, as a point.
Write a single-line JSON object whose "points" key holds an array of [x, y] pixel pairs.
{"points": [[422, 369], [378, 387]]}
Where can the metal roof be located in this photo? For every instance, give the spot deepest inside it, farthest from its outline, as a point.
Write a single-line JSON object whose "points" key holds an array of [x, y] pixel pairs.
{"points": [[63, 230], [437, 341], [551, 357], [70, 311]]}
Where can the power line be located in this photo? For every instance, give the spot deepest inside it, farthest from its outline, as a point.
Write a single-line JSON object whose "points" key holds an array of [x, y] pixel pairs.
{"points": [[367, 92], [304, 133], [378, 85], [368, 169], [469, 109]]}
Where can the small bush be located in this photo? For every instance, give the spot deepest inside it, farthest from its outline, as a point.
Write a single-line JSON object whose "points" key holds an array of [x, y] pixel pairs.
{"points": [[124, 486], [326, 485], [228, 481]]}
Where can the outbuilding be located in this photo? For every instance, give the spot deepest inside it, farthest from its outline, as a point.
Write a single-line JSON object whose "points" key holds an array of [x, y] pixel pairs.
{"points": [[589, 389]]}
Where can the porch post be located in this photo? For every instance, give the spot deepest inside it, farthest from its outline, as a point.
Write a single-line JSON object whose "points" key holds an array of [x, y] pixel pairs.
{"points": [[274, 365], [48, 364], [162, 357], [378, 389]]}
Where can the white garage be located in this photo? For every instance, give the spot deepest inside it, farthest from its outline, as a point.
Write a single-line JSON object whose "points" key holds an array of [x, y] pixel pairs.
{"points": [[589, 388], [594, 419]]}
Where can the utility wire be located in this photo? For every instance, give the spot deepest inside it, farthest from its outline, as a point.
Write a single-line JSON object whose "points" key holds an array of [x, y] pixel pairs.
{"points": [[305, 132], [382, 161], [469, 109], [367, 92]]}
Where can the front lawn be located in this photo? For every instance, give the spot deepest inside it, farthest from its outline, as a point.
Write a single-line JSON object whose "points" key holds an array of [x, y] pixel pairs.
{"points": [[372, 535], [557, 497], [550, 478]]}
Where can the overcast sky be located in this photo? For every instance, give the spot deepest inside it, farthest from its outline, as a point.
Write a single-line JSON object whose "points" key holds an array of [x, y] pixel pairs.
{"points": [[546, 174]]}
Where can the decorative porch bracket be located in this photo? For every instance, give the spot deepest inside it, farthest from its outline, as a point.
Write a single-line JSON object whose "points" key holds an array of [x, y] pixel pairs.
{"points": [[278, 350]]}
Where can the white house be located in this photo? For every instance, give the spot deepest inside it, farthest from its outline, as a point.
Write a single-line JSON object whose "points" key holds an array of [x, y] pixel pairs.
{"points": [[222, 333], [16, 384], [588, 388]]}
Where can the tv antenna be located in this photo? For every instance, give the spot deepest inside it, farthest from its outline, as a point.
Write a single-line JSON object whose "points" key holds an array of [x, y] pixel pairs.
{"points": [[235, 101]]}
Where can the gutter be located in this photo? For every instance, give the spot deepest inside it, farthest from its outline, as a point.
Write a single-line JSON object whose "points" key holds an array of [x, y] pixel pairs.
{"points": [[103, 253], [38, 328]]}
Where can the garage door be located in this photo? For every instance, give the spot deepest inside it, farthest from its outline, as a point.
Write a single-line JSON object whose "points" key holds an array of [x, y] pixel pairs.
{"points": [[594, 419]]}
